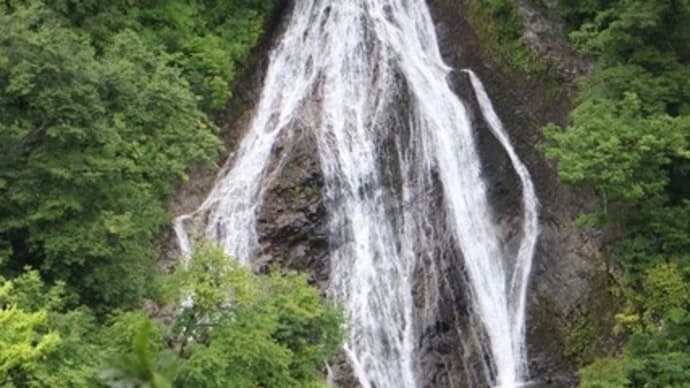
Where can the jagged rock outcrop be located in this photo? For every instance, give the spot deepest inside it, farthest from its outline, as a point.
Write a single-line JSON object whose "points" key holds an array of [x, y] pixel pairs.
{"points": [[293, 226]]}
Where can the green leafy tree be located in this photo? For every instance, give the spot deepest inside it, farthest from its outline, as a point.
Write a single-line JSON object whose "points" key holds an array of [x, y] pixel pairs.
{"points": [[604, 373], [248, 330], [25, 336], [145, 366], [613, 147], [629, 141], [43, 344], [210, 39], [90, 149]]}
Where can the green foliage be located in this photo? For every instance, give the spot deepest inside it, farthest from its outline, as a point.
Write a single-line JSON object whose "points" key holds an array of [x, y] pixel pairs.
{"points": [[80, 355], [247, 330], [604, 373], [500, 28], [659, 359], [208, 48], [629, 142], [665, 291], [580, 344], [243, 330], [25, 336], [629, 30], [42, 345], [576, 12], [144, 366], [613, 147], [208, 39], [91, 147]]}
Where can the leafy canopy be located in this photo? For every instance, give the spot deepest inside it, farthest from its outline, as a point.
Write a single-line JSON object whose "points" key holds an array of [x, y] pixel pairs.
{"points": [[242, 330], [246, 330], [91, 147], [629, 142]]}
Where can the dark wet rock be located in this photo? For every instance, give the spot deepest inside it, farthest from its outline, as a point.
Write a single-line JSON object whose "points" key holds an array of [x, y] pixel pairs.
{"points": [[568, 270], [292, 223]]}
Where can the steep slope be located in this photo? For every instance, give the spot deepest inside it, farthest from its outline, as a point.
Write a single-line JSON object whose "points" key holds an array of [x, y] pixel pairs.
{"points": [[293, 223]]}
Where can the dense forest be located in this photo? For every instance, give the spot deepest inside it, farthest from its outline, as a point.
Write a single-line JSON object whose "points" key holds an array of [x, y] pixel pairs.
{"points": [[628, 141], [105, 105]]}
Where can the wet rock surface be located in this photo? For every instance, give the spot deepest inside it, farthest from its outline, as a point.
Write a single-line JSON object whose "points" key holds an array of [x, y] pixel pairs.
{"points": [[293, 223], [567, 271]]}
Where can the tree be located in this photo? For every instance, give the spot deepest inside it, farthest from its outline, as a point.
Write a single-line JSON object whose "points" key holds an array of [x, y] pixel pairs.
{"points": [[90, 148], [615, 148], [144, 366], [41, 343], [629, 141], [248, 330], [604, 373], [25, 336]]}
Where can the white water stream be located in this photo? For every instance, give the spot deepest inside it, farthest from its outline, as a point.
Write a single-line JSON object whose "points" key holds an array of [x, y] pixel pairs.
{"points": [[343, 69]]}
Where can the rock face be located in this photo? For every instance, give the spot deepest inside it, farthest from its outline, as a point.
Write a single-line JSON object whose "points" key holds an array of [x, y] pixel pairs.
{"points": [[293, 228], [546, 36], [568, 270]]}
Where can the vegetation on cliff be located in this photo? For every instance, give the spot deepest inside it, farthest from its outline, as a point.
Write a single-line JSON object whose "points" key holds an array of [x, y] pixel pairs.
{"points": [[104, 105], [629, 141], [234, 329], [499, 27]]}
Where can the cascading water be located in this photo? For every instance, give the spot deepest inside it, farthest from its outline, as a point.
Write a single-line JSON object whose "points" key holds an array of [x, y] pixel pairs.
{"points": [[360, 73]]}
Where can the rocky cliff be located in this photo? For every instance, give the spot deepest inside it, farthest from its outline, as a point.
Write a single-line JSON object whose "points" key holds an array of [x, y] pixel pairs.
{"points": [[568, 275]]}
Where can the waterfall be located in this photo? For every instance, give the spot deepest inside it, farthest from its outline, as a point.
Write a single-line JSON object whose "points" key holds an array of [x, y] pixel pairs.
{"points": [[367, 77]]}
